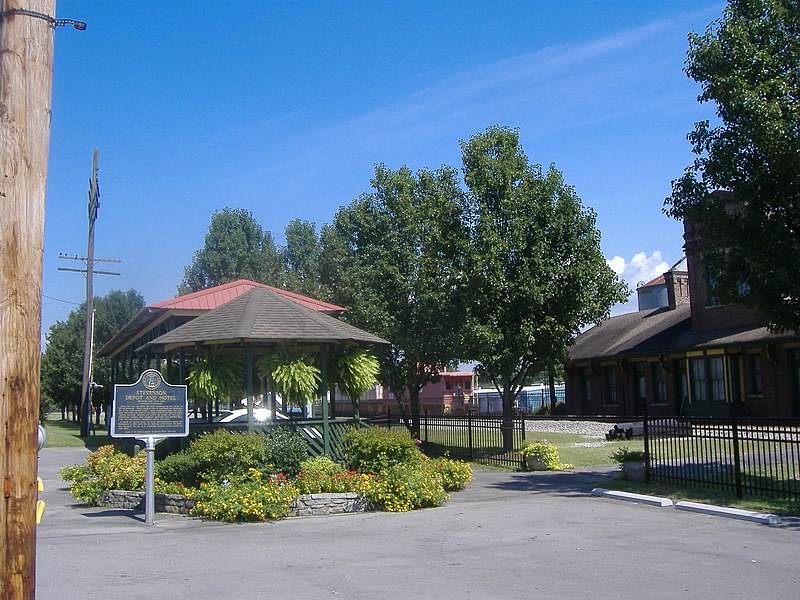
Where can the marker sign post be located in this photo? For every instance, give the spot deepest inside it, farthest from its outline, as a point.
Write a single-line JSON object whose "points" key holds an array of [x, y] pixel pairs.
{"points": [[150, 410]]}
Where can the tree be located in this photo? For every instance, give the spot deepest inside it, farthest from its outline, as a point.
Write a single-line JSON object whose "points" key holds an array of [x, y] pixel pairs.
{"points": [[236, 247], [748, 64], [300, 258], [392, 257], [62, 361], [534, 272]]}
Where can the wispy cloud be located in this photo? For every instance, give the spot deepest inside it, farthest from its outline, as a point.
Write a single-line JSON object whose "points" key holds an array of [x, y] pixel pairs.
{"points": [[558, 87]]}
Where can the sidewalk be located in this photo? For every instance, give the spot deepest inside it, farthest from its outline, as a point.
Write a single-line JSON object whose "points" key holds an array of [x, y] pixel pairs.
{"points": [[508, 536]]}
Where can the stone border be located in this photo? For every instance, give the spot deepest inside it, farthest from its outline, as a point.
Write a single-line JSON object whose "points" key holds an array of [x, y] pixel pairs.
{"points": [[312, 505]]}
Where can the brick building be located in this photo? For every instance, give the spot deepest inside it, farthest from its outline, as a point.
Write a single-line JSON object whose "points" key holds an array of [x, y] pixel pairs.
{"points": [[683, 352]]}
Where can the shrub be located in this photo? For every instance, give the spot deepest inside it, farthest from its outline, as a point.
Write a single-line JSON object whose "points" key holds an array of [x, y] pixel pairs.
{"points": [[106, 469], [183, 467], [547, 451], [285, 450], [624, 454], [372, 450], [221, 454], [405, 487], [321, 475], [252, 496], [455, 474]]}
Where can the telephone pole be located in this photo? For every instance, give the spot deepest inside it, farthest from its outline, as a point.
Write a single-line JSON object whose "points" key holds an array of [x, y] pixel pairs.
{"points": [[26, 69], [26, 62], [90, 260]]}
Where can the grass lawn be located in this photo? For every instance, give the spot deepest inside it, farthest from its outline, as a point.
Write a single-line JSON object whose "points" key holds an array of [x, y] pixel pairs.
{"points": [[66, 434]]}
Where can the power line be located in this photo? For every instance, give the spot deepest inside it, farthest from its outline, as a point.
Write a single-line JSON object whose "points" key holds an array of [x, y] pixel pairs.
{"points": [[156, 192], [60, 300]]}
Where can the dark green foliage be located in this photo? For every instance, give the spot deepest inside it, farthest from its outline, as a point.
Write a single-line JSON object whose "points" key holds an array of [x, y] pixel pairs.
{"points": [[535, 273], [222, 453], [300, 258], [183, 467], [373, 449], [748, 64], [392, 257], [62, 360], [236, 247], [285, 450]]}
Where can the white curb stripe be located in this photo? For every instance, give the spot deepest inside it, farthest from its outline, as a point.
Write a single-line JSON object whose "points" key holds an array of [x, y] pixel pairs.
{"points": [[733, 513], [642, 498]]}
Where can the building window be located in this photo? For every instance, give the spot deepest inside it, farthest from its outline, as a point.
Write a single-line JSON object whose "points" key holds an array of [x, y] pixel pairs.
{"points": [[467, 384], [707, 378], [659, 377], [756, 381], [448, 385], [609, 386]]}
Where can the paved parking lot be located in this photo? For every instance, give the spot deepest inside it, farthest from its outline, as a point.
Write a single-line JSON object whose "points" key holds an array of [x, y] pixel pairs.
{"points": [[508, 536]]}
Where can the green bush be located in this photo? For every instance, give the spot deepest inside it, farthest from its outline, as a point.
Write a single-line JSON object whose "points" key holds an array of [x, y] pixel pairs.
{"points": [[251, 496], [106, 469], [183, 467], [373, 449], [321, 475], [547, 452], [405, 487], [285, 450], [455, 474], [221, 454]]}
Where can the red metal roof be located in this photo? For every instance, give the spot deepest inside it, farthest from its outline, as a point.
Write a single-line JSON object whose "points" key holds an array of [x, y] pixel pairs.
{"points": [[217, 296], [660, 280]]}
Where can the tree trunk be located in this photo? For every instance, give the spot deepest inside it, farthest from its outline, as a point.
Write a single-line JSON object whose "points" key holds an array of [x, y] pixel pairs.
{"points": [[26, 55], [551, 379], [413, 398], [507, 423]]}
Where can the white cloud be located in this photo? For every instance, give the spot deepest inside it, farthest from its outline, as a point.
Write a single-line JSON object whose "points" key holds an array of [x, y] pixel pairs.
{"points": [[641, 268]]}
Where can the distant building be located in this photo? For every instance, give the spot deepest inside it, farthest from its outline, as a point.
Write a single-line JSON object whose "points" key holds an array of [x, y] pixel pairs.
{"points": [[684, 353]]}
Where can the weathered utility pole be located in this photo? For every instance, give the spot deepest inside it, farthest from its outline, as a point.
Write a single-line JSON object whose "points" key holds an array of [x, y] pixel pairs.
{"points": [[26, 62], [90, 260], [26, 70]]}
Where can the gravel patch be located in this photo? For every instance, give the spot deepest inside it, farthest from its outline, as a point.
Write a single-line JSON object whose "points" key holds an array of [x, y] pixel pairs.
{"points": [[591, 429]]}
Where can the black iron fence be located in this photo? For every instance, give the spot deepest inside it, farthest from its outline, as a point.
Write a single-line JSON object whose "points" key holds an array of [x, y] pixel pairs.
{"points": [[752, 457], [480, 438]]}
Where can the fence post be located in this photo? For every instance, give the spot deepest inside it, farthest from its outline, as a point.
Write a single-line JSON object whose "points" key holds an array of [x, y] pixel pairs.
{"points": [[737, 467], [646, 433], [469, 431], [426, 425]]}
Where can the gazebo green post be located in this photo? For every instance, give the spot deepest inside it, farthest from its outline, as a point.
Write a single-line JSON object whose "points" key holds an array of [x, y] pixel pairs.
{"points": [[326, 426], [248, 360]]}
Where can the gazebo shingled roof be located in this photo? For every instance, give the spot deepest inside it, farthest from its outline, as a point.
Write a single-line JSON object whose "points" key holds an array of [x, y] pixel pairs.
{"points": [[262, 316], [191, 305]]}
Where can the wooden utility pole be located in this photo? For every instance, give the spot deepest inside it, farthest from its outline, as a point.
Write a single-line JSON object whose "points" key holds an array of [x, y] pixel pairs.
{"points": [[26, 61], [89, 271]]}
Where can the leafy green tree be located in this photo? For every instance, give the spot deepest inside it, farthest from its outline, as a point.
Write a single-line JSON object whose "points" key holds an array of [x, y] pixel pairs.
{"points": [[62, 360], [236, 247], [300, 258], [535, 273], [392, 257], [748, 64]]}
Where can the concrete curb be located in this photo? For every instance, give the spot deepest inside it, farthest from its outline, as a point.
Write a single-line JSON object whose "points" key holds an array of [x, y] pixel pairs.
{"points": [[731, 513], [628, 496], [706, 509]]}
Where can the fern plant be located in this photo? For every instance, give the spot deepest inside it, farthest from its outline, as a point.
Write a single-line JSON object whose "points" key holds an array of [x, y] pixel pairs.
{"points": [[296, 377]]}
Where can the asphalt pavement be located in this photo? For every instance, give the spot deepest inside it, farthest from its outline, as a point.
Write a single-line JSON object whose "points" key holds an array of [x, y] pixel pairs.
{"points": [[507, 536]]}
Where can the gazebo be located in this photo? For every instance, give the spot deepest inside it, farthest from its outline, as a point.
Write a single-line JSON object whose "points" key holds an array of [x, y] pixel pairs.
{"points": [[257, 321]]}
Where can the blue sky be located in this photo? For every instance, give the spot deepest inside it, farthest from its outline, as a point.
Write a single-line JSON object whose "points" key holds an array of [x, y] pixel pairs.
{"points": [[285, 108]]}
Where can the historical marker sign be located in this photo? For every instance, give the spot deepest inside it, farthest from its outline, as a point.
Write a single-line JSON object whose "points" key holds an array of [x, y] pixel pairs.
{"points": [[151, 407]]}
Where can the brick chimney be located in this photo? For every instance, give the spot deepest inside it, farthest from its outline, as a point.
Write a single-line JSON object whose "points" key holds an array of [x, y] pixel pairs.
{"points": [[677, 283]]}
